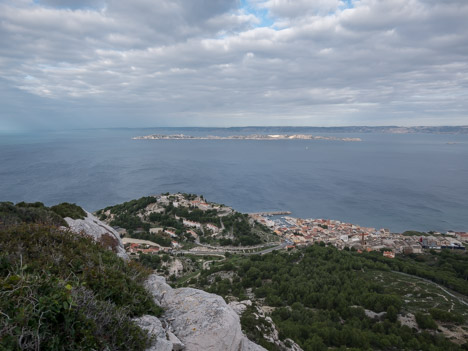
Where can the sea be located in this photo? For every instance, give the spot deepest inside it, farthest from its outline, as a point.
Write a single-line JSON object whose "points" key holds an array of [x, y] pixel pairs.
{"points": [[395, 181]]}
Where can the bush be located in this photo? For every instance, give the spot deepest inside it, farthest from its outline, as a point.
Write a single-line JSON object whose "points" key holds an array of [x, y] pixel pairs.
{"points": [[62, 291], [23, 212], [425, 321], [66, 209], [444, 316]]}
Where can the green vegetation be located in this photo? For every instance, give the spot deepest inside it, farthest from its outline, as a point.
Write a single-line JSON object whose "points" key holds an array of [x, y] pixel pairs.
{"points": [[239, 230], [132, 206], [446, 267], [419, 295], [194, 214], [129, 222], [126, 214], [414, 233], [166, 221], [239, 225], [37, 212], [161, 239], [69, 210], [150, 261], [445, 316], [425, 321], [254, 327], [61, 291], [320, 298], [28, 213]]}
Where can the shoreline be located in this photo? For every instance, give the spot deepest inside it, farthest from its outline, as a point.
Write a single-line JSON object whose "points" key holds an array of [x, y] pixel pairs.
{"points": [[244, 137]]}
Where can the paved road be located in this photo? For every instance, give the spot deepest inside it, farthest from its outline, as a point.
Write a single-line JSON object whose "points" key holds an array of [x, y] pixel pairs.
{"points": [[236, 249], [221, 252], [279, 247]]}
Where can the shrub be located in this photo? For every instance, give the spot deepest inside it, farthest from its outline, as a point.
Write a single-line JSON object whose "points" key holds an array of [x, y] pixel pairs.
{"points": [[445, 316], [66, 209], [425, 321], [61, 291], [23, 212]]}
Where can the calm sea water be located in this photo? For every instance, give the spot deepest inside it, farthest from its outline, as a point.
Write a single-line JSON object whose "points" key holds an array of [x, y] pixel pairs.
{"points": [[394, 181]]}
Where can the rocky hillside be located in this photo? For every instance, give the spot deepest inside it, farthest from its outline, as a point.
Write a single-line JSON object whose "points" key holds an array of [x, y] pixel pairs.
{"points": [[99, 231], [185, 219], [62, 288]]}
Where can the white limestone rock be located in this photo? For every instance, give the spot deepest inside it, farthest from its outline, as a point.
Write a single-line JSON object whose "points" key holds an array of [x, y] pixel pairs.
{"points": [[99, 231], [248, 345], [240, 306], [177, 345], [270, 332], [154, 327], [158, 287], [202, 321]]}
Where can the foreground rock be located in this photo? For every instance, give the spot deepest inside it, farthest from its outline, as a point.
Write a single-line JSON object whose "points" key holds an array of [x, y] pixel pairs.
{"points": [[154, 327], [269, 331], [202, 321], [99, 231]]}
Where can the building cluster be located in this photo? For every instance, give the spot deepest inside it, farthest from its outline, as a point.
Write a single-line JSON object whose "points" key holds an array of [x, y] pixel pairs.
{"points": [[181, 200], [134, 246], [302, 232]]}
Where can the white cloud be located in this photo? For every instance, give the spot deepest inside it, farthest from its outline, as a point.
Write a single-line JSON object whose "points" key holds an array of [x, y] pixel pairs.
{"points": [[191, 61]]}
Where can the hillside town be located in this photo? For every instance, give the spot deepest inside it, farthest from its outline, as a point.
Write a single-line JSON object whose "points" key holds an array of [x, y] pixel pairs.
{"points": [[290, 231], [302, 232]]}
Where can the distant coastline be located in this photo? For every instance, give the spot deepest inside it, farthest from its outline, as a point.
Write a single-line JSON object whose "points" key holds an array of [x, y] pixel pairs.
{"points": [[242, 137], [325, 130]]}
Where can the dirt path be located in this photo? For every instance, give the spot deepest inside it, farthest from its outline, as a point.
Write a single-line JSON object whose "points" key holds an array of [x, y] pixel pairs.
{"points": [[439, 286]]}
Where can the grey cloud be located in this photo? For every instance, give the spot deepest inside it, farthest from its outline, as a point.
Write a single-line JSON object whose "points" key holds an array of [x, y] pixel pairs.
{"points": [[182, 62], [74, 4], [300, 8]]}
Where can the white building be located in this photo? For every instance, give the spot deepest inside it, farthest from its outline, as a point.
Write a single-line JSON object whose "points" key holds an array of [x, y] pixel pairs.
{"points": [[188, 223]]}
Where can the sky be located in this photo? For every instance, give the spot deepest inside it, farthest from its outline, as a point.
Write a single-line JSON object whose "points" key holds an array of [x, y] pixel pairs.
{"points": [[151, 63]]}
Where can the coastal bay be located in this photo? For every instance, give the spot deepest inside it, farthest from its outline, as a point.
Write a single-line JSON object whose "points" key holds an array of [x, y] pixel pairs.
{"points": [[395, 181]]}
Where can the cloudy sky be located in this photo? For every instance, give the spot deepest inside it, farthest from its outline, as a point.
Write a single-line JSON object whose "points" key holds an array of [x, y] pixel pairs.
{"points": [[122, 63]]}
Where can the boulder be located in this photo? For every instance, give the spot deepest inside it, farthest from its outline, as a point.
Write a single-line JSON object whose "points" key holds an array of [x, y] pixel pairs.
{"points": [[240, 306], [177, 345], [248, 345], [158, 287], [154, 327], [202, 321], [99, 231]]}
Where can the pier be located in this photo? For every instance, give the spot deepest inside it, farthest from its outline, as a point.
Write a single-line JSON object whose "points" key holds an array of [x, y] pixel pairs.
{"points": [[271, 213]]}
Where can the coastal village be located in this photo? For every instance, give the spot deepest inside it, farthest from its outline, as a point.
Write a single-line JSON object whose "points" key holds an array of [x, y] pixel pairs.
{"points": [[290, 232], [302, 232]]}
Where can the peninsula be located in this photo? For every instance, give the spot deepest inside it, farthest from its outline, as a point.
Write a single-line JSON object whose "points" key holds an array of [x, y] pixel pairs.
{"points": [[243, 137]]}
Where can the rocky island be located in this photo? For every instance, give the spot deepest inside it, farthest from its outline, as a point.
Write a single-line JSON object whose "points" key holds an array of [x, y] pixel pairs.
{"points": [[243, 137]]}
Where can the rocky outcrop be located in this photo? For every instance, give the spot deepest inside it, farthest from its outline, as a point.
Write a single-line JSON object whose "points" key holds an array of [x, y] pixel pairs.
{"points": [[155, 329], [240, 306], [202, 321], [193, 319], [99, 231], [268, 327]]}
